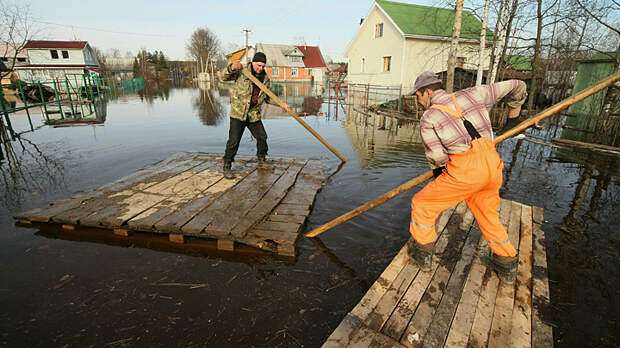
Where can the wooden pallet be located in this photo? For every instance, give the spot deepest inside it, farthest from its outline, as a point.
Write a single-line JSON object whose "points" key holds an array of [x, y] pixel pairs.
{"points": [[459, 303], [186, 195]]}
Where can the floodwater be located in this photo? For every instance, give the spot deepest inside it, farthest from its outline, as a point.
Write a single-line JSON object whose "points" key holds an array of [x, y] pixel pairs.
{"points": [[61, 289]]}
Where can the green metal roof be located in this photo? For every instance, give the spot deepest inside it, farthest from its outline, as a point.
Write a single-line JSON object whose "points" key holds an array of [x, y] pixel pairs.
{"points": [[518, 62], [432, 21]]}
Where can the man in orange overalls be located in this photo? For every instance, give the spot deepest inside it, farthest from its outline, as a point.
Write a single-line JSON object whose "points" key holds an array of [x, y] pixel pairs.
{"points": [[457, 136]]}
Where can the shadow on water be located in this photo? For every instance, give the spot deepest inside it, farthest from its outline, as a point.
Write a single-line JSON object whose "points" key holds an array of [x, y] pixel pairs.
{"points": [[73, 288]]}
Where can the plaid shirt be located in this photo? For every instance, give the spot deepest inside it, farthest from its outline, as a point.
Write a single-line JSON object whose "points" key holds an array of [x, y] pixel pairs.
{"points": [[443, 134]]}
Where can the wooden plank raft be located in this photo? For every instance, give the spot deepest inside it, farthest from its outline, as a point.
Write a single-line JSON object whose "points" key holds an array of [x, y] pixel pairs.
{"points": [[459, 303], [187, 195]]}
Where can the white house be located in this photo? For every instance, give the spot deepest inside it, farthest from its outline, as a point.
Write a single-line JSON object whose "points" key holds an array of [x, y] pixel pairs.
{"points": [[397, 41], [49, 60]]}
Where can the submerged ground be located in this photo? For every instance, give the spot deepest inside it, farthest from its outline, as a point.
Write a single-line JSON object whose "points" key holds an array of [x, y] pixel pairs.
{"points": [[58, 289]]}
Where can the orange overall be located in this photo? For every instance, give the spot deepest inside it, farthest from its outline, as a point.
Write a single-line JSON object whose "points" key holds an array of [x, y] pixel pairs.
{"points": [[474, 176]]}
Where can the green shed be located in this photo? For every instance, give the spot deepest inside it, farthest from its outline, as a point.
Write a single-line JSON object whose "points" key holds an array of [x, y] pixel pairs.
{"points": [[589, 72]]}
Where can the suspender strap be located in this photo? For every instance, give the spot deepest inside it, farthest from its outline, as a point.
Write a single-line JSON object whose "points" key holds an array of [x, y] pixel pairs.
{"points": [[473, 133]]}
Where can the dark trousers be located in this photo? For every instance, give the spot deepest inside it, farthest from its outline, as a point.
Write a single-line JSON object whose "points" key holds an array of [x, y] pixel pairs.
{"points": [[234, 137]]}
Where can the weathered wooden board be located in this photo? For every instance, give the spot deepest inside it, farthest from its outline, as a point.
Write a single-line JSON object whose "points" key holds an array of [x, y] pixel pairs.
{"points": [[187, 195], [459, 303]]}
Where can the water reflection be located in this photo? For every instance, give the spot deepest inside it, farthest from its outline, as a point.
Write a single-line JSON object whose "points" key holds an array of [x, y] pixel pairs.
{"points": [[155, 89], [208, 103]]}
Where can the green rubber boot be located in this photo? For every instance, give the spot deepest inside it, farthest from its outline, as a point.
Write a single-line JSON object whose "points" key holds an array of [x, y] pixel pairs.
{"points": [[422, 254], [504, 266]]}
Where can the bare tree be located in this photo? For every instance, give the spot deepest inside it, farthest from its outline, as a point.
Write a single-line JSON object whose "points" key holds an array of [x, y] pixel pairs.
{"points": [[16, 28], [454, 46], [483, 39], [203, 44]]}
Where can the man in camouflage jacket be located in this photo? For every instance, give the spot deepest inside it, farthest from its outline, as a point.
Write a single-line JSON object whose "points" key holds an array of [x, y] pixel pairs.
{"points": [[245, 109]]}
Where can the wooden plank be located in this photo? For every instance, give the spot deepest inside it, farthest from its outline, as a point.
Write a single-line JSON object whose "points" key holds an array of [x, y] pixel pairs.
{"points": [[479, 334], [384, 308], [405, 308], [367, 337], [248, 215], [415, 332], [225, 244], [287, 227], [521, 332], [176, 238], [252, 187], [105, 198], [179, 218], [341, 336], [126, 204], [190, 190], [466, 310], [121, 232], [502, 316], [442, 320], [542, 334], [44, 214], [299, 219], [292, 209], [280, 237]]}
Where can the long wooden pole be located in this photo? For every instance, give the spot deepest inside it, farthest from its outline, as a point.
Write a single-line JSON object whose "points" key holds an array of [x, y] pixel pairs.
{"points": [[422, 178], [291, 112]]}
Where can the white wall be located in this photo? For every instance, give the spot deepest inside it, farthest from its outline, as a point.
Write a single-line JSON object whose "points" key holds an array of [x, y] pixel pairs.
{"points": [[372, 50], [43, 56], [432, 55]]}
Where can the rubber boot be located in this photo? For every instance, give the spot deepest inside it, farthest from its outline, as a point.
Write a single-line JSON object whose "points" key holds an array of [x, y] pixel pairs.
{"points": [[227, 169], [262, 163], [422, 254], [504, 266]]}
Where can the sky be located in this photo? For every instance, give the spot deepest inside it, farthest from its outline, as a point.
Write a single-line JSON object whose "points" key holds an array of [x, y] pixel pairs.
{"points": [[167, 25]]}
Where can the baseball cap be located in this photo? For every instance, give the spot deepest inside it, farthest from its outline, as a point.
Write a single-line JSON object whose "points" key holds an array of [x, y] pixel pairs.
{"points": [[426, 78]]}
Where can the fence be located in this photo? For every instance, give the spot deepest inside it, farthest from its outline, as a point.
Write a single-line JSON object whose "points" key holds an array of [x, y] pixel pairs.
{"points": [[75, 96]]}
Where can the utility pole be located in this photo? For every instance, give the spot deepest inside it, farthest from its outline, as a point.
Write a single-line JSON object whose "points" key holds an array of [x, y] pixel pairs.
{"points": [[247, 31]]}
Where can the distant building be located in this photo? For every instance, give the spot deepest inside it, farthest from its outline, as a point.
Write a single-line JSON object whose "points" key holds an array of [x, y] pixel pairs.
{"points": [[396, 42], [313, 60], [284, 62], [120, 67], [9, 58], [240, 55], [49, 60]]}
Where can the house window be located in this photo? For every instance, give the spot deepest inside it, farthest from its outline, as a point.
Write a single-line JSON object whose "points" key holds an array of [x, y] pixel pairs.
{"points": [[379, 30], [5, 59], [275, 71], [387, 63], [54, 54], [21, 59], [65, 54], [363, 65], [294, 72], [460, 62]]}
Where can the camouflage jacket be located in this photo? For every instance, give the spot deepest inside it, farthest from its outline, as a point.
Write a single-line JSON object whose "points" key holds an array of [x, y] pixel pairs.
{"points": [[242, 94]]}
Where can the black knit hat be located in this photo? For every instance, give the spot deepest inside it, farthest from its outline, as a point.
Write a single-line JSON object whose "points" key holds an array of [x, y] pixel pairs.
{"points": [[260, 57]]}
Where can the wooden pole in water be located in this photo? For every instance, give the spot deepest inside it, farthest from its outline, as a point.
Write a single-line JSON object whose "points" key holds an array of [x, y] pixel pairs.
{"points": [[291, 112], [516, 130]]}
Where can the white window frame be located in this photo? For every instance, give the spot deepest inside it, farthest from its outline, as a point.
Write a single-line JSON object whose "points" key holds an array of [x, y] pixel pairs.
{"points": [[294, 72], [275, 71], [62, 54], [52, 54]]}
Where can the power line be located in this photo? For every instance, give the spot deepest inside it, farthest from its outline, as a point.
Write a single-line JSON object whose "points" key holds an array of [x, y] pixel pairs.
{"points": [[102, 30]]}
